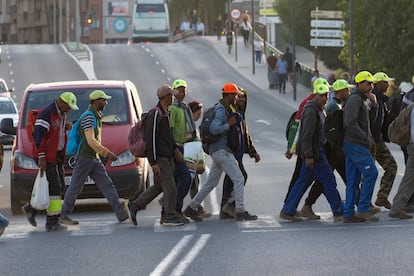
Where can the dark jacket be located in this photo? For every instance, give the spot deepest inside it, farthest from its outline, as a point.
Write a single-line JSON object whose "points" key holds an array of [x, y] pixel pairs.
{"points": [[310, 137], [249, 147], [158, 135], [358, 117], [382, 116], [46, 132]]}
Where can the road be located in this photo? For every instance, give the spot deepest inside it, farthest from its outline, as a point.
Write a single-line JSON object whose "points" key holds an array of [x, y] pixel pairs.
{"points": [[268, 246]]}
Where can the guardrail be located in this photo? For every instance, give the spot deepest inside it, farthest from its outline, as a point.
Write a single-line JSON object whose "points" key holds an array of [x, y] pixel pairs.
{"points": [[183, 36]]}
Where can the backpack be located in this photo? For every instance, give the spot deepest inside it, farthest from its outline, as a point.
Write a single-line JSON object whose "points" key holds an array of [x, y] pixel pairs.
{"points": [[399, 130], [207, 138], [334, 128], [136, 136], [74, 139], [291, 132]]}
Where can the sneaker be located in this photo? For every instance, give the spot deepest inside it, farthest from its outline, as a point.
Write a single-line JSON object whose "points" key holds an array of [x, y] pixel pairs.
{"points": [[171, 222], [368, 216], [242, 216], [373, 210], [181, 217], [189, 212], [338, 218], [30, 213], [230, 209], [55, 227], [354, 219], [132, 213], [202, 213], [286, 216], [382, 201], [68, 221], [400, 215], [308, 213]]}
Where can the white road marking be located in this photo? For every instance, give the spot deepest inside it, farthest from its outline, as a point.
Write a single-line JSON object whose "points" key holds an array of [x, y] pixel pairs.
{"points": [[163, 265], [264, 122], [191, 255], [263, 222]]}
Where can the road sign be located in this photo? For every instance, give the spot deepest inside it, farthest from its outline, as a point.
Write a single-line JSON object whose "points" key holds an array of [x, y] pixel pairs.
{"points": [[326, 14], [326, 33], [323, 42], [235, 13], [327, 23]]}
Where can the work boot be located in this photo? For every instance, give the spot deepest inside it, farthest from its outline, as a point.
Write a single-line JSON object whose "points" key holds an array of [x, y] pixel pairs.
{"points": [[189, 212], [202, 213], [181, 218], [308, 213], [354, 219], [224, 215], [292, 218], [383, 201], [368, 216], [243, 216], [53, 225], [67, 220], [230, 209], [400, 215], [30, 213], [373, 210]]}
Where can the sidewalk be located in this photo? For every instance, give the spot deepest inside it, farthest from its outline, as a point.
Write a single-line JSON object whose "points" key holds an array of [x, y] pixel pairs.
{"points": [[244, 66]]}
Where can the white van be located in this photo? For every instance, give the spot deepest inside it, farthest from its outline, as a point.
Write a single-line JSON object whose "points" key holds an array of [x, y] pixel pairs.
{"points": [[150, 21]]}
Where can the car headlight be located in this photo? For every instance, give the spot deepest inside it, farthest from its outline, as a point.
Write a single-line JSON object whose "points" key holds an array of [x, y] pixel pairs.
{"points": [[124, 158], [24, 162]]}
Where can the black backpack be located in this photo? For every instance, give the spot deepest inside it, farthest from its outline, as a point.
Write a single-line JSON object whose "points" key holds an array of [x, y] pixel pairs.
{"points": [[334, 128], [207, 138]]}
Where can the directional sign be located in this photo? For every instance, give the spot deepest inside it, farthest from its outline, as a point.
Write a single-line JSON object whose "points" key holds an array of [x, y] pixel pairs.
{"points": [[235, 13], [327, 23], [327, 42], [326, 14], [326, 33]]}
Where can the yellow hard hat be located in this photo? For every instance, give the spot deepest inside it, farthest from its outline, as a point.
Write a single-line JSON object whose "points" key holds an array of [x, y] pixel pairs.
{"points": [[381, 76], [364, 76]]}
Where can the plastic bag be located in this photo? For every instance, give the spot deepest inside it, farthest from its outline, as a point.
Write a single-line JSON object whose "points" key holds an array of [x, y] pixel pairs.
{"points": [[40, 192], [195, 156]]}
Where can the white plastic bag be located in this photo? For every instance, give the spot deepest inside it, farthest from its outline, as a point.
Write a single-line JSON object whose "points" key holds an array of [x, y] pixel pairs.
{"points": [[195, 156], [40, 192]]}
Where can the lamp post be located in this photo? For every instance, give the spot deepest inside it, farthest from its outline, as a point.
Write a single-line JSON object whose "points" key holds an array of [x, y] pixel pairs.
{"points": [[253, 32], [351, 40], [293, 15], [77, 25]]}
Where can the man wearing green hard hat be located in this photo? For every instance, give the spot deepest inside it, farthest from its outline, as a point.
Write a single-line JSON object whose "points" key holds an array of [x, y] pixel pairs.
{"points": [[50, 140], [311, 148]]}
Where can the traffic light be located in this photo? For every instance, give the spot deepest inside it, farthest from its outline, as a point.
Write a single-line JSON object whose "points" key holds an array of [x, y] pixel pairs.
{"points": [[89, 20]]}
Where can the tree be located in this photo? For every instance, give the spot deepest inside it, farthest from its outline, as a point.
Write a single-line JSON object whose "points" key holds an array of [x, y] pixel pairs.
{"points": [[383, 34]]}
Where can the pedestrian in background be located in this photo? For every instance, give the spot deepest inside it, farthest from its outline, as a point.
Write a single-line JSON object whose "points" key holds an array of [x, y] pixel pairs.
{"points": [[89, 163], [246, 28], [223, 158], [258, 49], [289, 59], [272, 76], [358, 146], [50, 140], [218, 26], [282, 67], [160, 154]]}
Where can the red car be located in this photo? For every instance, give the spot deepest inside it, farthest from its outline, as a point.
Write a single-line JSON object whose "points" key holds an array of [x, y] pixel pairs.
{"points": [[129, 174]]}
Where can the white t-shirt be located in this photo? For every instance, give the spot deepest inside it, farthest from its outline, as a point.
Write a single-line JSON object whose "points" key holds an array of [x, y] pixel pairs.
{"points": [[258, 45]]}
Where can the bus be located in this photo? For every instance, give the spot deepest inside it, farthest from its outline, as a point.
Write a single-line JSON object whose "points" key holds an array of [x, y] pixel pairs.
{"points": [[150, 21]]}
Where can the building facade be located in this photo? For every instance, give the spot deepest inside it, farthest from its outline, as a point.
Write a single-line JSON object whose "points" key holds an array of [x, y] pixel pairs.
{"points": [[54, 21]]}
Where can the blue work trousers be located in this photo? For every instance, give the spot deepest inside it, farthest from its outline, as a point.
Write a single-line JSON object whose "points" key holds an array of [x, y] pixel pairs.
{"points": [[321, 171], [358, 161]]}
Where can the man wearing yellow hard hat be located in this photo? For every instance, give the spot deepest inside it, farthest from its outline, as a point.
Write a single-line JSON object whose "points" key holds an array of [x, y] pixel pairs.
{"points": [[358, 146], [379, 131]]}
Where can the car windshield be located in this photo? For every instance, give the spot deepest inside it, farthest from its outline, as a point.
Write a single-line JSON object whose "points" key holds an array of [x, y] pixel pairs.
{"points": [[7, 108], [115, 112]]}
